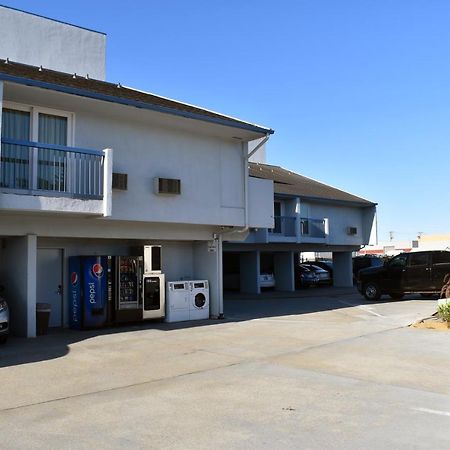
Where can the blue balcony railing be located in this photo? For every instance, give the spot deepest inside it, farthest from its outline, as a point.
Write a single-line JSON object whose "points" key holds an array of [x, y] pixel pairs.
{"points": [[35, 168], [314, 228], [283, 226]]}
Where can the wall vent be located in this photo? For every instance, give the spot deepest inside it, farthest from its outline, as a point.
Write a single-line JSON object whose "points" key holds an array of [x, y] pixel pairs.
{"points": [[120, 181], [352, 231], [167, 186]]}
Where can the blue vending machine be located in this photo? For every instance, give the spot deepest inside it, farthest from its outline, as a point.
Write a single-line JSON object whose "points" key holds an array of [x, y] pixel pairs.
{"points": [[89, 294]]}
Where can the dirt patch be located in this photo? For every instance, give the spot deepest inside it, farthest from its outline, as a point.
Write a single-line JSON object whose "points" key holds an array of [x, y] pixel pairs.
{"points": [[432, 323]]}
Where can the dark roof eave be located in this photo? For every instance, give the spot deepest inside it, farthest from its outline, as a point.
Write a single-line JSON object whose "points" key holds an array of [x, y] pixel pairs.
{"points": [[340, 202], [367, 204], [129, 102]]}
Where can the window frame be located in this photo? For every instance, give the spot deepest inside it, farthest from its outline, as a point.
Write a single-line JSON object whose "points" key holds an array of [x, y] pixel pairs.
{"points": [[415, 255], [398, 258], [34, 119], [34, 112]]}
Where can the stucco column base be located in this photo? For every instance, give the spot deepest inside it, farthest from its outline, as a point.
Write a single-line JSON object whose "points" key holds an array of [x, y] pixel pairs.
{"points": [[250, 271], [284, 271], [342, 269]]}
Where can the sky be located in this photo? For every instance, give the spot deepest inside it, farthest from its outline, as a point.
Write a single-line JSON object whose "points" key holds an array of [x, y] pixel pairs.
{"points": [[357, 91]]}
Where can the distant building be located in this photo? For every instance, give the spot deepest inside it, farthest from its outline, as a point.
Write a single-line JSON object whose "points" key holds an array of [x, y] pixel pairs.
{"points": [[434, 242], [390, 248]]}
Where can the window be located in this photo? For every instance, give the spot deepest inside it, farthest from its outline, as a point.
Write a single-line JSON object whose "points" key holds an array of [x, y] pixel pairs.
{"points": [[277, 217], [15, 159], [52, 130], [398, 261], [441, 258], [36, 124], [418, 259]]}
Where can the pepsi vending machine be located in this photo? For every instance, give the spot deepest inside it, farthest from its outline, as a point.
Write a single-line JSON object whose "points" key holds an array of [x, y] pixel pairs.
{"points": [[89, 299]]}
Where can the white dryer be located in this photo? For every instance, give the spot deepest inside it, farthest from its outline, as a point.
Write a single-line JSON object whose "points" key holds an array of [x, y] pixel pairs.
{"points": [[199, 300], [177, 301]]}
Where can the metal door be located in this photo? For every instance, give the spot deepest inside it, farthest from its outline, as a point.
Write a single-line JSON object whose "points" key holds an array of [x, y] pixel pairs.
{"points": [[417, 275], [49, 282]]}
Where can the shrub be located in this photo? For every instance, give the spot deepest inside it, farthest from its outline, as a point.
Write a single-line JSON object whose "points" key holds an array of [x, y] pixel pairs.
{"points": [[444, 311]]}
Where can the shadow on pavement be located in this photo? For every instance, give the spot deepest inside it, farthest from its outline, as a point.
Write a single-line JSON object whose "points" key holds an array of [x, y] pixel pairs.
{"points": [[274, 303], [237, 308]]}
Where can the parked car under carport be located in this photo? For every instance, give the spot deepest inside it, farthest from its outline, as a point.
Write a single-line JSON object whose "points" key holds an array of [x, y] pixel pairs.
{"points": [[4, 318]]}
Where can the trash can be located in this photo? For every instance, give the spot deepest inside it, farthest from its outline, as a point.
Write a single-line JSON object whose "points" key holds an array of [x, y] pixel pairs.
{"points": [[42, 317]]}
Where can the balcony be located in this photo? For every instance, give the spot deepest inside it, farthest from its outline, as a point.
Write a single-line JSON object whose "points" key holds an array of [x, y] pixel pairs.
{"points": [[313, 228], [77, 177], [284, 227]]}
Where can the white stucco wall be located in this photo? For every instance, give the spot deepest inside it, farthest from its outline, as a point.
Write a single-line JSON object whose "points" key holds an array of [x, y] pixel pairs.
{"points": [[147, 144], [36, 40], [260, 155], [210, 170], [260, 203], [339, 219]]}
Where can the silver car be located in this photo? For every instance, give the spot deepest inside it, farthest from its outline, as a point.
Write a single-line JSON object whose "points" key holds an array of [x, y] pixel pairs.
{"points": [[4, 319]]}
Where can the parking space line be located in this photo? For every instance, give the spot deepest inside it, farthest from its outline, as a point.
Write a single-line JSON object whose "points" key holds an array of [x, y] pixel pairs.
{"points": [[433, 411], [365, 308]]}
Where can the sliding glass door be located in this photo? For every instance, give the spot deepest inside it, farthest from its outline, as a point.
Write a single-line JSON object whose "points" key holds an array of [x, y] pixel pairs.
{"points": [[15, 159], [51, 165]]}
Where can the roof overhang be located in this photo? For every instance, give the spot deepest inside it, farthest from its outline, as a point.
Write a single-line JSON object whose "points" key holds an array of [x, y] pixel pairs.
{"points": [[134, 103]]}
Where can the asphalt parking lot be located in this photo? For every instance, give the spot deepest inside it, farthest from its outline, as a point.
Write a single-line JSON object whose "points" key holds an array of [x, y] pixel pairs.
{"points": [[325, 370]]}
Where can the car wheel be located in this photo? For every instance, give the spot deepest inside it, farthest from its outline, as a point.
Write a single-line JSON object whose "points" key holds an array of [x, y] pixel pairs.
{"points": [[397, 295], [372, 291], [3, 339], [447, 292], [426, 295]]}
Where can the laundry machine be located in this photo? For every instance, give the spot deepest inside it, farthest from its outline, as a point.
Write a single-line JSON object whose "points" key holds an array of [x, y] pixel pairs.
{"points": [[177, 302], [199, 300]]}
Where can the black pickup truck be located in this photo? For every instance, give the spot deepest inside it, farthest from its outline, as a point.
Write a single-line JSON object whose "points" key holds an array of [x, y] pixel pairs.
{"points": [[424, 272]]}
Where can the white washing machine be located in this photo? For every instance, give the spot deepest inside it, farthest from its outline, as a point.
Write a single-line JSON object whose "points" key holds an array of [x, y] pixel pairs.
{"points": [[199, 300], [177, 301]]}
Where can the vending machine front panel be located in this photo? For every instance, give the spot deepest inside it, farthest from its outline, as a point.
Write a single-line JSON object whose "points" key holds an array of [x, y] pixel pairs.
{"points": [[129, 276], [95, 291], [75, 303], [154, 296]]}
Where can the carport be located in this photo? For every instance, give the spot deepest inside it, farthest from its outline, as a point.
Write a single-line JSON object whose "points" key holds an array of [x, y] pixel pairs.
{"points": [[242, 269]]}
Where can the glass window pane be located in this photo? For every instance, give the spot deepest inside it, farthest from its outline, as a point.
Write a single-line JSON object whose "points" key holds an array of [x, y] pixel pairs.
{"points": [[441, 257], [398, 261], [16, 124], [52, 129], [418, 259], [51, 163], [14, 172]]}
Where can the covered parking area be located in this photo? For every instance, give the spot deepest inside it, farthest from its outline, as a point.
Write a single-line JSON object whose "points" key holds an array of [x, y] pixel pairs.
{"points": [[245, 265]]}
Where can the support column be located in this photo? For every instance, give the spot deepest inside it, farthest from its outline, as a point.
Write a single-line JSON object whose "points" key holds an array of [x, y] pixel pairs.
{"points": [[250, 271], [20, 282], [284, 271], [208, 266], [342, 269], [107, 181]]}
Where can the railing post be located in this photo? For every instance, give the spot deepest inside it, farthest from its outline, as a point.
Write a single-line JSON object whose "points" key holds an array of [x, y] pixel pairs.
{"points": [[107, 181], [326, 227]]}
